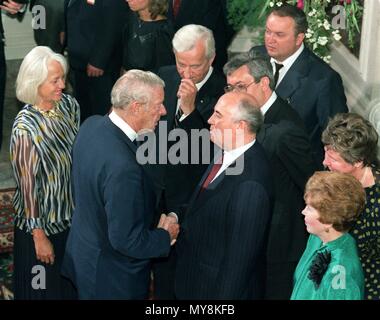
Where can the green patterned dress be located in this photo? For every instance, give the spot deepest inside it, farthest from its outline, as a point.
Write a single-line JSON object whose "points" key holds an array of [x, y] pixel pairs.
{"points": [[366, 232]]}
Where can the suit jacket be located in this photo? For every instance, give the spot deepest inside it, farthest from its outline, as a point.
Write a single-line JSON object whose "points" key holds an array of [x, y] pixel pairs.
{"points": [[316, 92], [94, 33], [211, 14], [221, 248], [110, 244], [181, 179], [288, 148]]}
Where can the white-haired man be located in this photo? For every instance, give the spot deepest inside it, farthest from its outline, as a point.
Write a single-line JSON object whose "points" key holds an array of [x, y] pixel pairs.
{"points": [[192, 88], [110, 242]]}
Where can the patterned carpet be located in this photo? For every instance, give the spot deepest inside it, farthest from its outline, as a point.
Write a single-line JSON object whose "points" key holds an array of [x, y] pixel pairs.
{"points": [[6, 243]]}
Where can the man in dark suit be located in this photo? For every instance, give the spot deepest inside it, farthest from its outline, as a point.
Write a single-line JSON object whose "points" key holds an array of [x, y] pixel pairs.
{"points": [[209, 13], [192, 88], [306, 82], [221, 250], [51, 34], [110, 242], [94, 32], [288, 148], [11, 7]]}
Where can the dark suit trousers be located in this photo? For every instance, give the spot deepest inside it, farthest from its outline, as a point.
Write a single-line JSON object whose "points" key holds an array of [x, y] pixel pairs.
{"points": [[164, 277], [93, 93], [2, 87]]}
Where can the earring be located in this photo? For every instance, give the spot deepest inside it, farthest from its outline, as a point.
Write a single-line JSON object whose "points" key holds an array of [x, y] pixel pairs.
{"points": [[327, 230]]}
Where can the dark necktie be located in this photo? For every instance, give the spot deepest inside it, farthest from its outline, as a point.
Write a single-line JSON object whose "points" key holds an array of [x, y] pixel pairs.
{"points": [[177, 117], [278, 67], [176, 5], [214, 170]]}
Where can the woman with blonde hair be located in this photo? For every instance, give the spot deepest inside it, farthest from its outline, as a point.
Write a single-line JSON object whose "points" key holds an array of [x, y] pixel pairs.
{"points": [[41, 142]]}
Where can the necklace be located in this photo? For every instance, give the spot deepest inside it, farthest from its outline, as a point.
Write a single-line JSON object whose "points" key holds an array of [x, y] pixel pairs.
{"points": [[51, 113]]}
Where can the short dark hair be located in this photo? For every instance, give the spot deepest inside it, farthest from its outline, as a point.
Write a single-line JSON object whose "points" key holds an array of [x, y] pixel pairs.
{"points": [[353, 137], [258, 68], [158, 7], [299, 17]]}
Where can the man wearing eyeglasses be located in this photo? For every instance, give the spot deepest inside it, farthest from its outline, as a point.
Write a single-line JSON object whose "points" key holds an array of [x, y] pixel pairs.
{"points": [[288, 148]]}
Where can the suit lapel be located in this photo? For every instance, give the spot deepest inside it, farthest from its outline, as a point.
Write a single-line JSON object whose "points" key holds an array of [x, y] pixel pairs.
{"points": [[171, 100], [273, 112], [263, 134], [199, 197], [294, 77]]}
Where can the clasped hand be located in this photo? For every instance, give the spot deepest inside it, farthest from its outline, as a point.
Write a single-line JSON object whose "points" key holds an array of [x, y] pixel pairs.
{"points": [[170, 224]]}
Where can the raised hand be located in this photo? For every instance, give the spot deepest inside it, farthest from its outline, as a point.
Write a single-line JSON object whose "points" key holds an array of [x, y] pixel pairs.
{"points": [[11, 7], [187, 92]]}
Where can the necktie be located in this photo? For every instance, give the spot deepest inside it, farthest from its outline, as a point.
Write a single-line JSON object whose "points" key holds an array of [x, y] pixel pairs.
{"points": [[278, 67], [177, 117], [214, 170], [176, 5]]}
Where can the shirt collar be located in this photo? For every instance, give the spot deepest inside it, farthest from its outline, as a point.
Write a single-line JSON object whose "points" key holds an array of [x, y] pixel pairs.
{"points": [[231, 155], [208, 75], [288, 62], [125, 127], [264, 109]]}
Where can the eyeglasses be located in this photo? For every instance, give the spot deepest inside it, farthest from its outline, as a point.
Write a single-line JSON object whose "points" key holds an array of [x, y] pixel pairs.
{"points": [[239, 87]]}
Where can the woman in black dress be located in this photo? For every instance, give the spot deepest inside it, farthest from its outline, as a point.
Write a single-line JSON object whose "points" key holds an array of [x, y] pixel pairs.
{"points": [[147, 36]]}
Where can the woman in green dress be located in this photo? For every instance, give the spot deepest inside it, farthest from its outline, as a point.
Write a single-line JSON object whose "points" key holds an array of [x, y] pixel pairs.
{"points": [[351, 147], [330, 268]]}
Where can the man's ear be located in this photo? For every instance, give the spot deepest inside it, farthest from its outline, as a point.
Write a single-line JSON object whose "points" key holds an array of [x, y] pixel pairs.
{"points": [[135, 107], [299, 39], [264, 82], [211, 60]]}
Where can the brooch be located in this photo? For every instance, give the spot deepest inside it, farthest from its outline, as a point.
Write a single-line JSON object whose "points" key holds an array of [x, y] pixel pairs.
{"points": [[319, 267]]}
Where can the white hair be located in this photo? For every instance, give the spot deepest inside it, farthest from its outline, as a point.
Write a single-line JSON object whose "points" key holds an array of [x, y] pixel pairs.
{"points": [[187, 37], [34, 71], [134, 85]]}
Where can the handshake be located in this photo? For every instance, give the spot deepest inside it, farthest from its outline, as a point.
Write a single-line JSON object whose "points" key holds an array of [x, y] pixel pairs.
{"points": [[169, 222]]}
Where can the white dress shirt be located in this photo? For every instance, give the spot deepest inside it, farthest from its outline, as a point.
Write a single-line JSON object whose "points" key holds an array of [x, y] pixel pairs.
{"points": [[125, 127], [287, 63], [230, 156], [264, 109]]}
